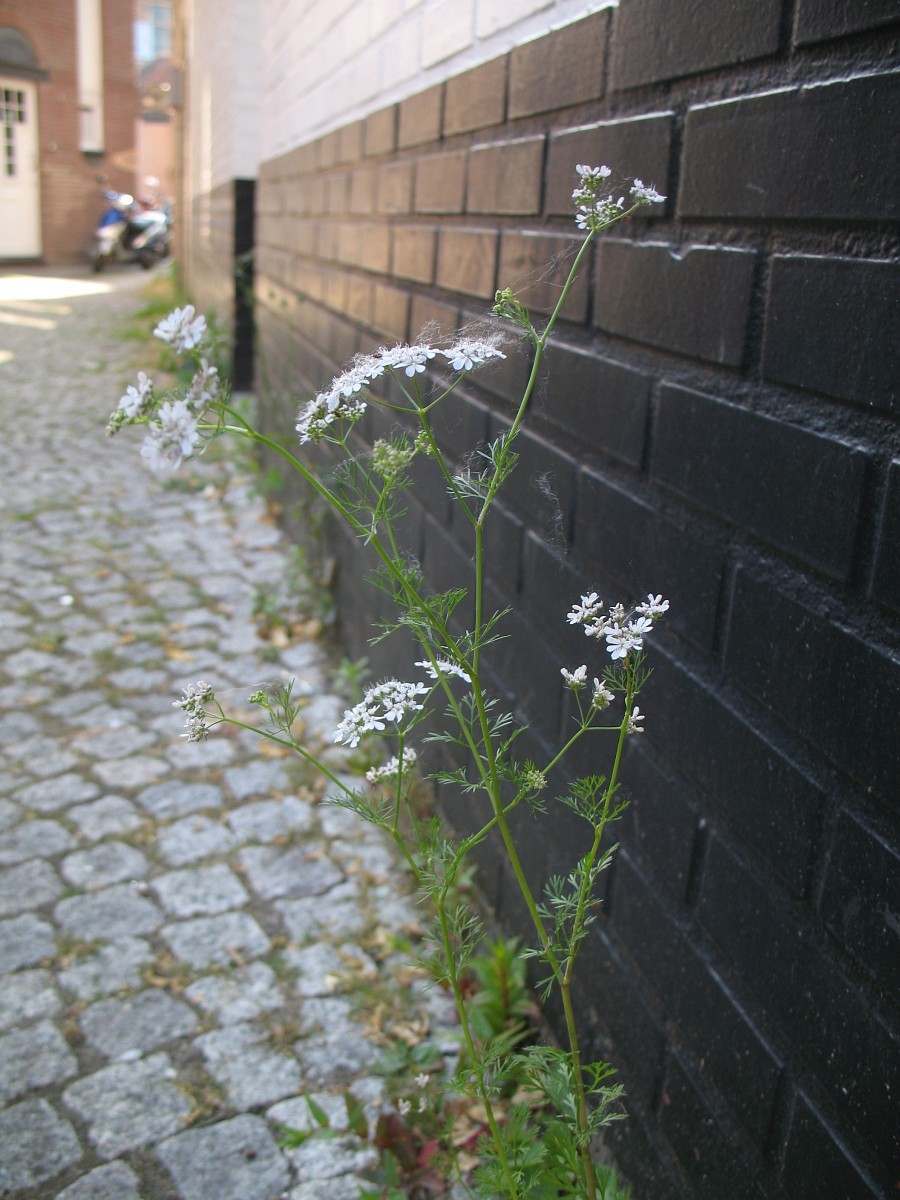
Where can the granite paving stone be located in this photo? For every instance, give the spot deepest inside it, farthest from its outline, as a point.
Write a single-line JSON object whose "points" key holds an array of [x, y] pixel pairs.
{"points": [[251, 1070], [24, 941], [26, 996], [194, 838], [297, 872], [28, 885], [32, 1057], [234, 1160], [114, 1181], [248, 993], [223, 939], [182, 928], [111, 815], [35, 1144], [129, 1104], [113, 968], [200, 891], [110, 862], [137, 1023], [115, 912]]}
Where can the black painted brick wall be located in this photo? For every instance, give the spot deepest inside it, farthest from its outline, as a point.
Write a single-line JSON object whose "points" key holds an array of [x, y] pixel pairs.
{"points": [[719, 425]]}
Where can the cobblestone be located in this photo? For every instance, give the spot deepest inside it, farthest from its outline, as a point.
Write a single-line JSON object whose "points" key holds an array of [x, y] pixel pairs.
{"points": [[183, 928]]}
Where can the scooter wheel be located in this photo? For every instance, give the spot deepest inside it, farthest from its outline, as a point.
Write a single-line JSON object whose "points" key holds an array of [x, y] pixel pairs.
{"points": [[97, 264], [146, 261]]}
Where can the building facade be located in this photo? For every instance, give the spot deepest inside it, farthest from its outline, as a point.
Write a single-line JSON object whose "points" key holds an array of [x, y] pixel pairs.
{"points": [[68, 109], [719, 424]]}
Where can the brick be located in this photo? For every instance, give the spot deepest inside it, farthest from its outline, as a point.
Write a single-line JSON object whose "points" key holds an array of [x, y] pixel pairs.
{"points": [[805, 1001], [503, 536], [628, 1031], [350, 145], [818, 20], [694, 303], [648, 45], [886, 579], [642, 551], [825, 325], [440, 183], [560, 69], [329, 149], [711, 452], [601, 404], [542, 487], [380, 132], [711, 1025], [394, 188], [764, 797], [390, 312], [536, 266], [815, 152], [431, 320], [414, 252], [419, 118], [349, 242], [505, 177], [467, 261], [633, 146], [374, 248], [476, 98], [820, 679], [815, 1163], [445, 31], [359, 298], [660, 825], [362, 190], [550, 585], [336, 189], [710, 1159], [860, 894]]}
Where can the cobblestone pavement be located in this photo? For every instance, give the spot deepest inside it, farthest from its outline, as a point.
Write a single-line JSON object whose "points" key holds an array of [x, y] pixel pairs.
{"points": [[189, 940]]}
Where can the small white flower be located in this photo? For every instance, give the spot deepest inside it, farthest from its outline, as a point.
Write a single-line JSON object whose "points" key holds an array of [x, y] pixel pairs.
{"points": [[410, 359], [645, 195], [444, 667], [388, 701], [391, 769], [653, 607], [469, 353], [586, 611], [593, 173], [575, 679], [181, 329], [620, 641], [634, 721], [421, 1080], [173, 439], [204, 388], [602, 697], [136, 400]]}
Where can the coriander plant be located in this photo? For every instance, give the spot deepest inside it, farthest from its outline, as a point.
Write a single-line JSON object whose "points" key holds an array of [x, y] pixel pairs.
{"points": [[541, 1147]]}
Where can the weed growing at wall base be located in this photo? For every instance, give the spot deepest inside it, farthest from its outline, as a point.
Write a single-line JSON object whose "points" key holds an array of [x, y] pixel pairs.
{"points": [[537, 1144]]}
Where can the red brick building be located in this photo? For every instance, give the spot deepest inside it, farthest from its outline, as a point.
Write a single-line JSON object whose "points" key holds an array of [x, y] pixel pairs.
{"points": [[67, 106]]}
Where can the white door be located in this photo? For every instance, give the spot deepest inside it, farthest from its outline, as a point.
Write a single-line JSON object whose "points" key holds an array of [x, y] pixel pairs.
{"points": [[20, 181]]}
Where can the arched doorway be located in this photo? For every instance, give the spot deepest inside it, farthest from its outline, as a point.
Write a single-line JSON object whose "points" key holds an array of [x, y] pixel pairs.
{"points": [[20, 173]]}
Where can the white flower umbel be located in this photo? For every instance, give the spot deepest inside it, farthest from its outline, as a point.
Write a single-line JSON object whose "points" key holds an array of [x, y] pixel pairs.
{"points": [[586, 611], [634, 721], [623, 630], [137, 400], [181, 329], [172, 439], [575, 679], [645, 195], [193, 702], [444, 667], [601, 696], [653, 607], [204, 388], [389, 771], [388, 701], [320, 414], [595, 211], [469, 353]]}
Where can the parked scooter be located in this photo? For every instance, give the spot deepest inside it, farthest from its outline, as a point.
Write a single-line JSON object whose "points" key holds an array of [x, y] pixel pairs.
{"points": [[130, 231]]}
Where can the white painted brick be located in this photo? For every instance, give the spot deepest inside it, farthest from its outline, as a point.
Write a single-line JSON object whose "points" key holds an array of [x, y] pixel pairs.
{"points": [[447, 29], [494, 15]]}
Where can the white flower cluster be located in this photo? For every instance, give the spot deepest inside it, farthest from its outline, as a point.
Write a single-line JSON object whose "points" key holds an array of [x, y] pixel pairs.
{"points": [[444, 667], [387, 701], [596, 210], [137, 400], [342, 402], [623, 631], [172, 438], [601, 696], [391, 769], [181, 329], [204, 388], [193, 702]]}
